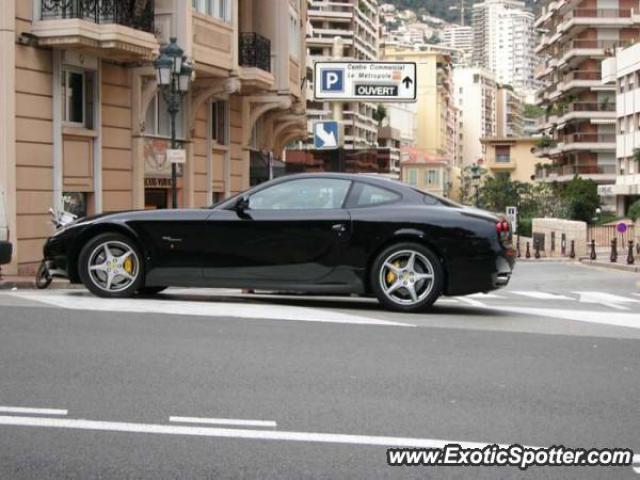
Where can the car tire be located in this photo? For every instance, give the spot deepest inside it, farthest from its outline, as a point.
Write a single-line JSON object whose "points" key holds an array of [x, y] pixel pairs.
{"points": [[104, 268], [407, 277], [150, 290]]}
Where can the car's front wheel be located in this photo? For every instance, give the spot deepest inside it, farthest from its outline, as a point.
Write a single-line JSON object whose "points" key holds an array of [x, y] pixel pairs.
{"points": [[110, 266], [407, 277]]}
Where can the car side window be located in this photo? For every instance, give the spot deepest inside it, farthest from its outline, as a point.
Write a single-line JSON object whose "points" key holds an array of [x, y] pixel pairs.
{"points": [[371, 195], [302, 194]]}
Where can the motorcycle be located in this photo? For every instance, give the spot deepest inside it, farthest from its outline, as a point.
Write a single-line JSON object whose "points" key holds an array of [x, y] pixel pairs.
{"points": [[46, 271]]}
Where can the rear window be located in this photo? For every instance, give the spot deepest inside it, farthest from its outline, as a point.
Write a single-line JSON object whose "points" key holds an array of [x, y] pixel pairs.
{"points": [[371, 195], [431, 199]]}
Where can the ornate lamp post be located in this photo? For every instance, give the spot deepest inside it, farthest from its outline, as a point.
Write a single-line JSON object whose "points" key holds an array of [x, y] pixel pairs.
{"points": [[475, 179], [173, 73]]}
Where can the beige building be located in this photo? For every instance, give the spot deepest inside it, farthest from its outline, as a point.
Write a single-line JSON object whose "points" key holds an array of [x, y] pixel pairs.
{"points": [[82, 125], [511, 157]]}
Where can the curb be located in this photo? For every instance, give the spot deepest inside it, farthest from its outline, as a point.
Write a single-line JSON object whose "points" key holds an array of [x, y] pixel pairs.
{"points": [[613, 266], [26, 284]]}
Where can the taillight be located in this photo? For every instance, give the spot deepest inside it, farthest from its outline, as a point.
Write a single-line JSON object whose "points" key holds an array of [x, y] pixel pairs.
{"points": [[504, 233]]}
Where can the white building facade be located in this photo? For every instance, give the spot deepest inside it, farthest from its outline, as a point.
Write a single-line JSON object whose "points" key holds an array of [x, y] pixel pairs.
{"points": [[461, 38], [504, 42], [623, 71], [475, 93]]}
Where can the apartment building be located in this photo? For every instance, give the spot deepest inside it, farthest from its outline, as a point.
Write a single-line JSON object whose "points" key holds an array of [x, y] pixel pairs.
{"points": [[434, 107], [503, 42], [459, 37], [623, 72], [475, 93], [435, 112], [343, 30], [511, 158], [83, 126], [509, 113], [580, 118]]}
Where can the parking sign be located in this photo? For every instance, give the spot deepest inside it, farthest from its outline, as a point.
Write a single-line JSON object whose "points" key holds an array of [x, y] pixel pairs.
{"points": [[332, 80]]}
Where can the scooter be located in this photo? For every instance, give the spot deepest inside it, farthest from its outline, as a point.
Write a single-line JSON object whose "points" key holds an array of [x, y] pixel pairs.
{"points": [[46, 271]]}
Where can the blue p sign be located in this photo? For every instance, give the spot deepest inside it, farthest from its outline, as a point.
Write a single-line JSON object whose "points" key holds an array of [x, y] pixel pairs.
{"points": [[332, 80]]}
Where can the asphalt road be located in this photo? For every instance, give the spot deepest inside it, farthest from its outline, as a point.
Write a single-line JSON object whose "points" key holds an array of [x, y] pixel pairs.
{"points": [[553, 359]]}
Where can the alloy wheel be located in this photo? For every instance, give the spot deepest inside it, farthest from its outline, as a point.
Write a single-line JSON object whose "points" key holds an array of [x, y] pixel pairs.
{"points": [[406, 277], [113, 266]]}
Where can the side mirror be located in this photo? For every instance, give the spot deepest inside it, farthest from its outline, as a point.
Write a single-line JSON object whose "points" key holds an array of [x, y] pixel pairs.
{"points": [[243, 204]]}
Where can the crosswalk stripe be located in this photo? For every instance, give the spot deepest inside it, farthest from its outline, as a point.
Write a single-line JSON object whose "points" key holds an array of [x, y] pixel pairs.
{"points": [[541, 295], [484, 295]]}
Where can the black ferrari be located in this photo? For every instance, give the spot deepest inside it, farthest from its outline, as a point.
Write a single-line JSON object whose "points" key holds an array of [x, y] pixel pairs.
{"points": [[321, 233]]}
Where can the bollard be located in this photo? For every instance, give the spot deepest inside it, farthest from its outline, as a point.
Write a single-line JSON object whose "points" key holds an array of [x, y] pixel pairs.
{"points": [[592, 256], [572, 253], [537, 247], [614, 251], [527, 253], [518, 254], [630, 259]]}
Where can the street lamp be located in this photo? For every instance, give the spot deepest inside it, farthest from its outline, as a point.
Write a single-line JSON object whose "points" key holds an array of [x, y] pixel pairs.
{"points": [[475, 179], [173, 73]]}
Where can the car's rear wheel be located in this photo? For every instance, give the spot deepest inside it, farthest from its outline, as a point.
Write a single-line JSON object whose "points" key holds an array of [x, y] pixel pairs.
{"points": [[110, 266], [407, 277]]}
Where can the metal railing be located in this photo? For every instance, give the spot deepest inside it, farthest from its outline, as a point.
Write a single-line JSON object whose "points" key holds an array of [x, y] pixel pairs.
{"points": [[255, 51], [599, 13], [137, 14], [588, 138]]}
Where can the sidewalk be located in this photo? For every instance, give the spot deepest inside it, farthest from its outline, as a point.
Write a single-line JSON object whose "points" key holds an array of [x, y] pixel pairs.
{"points": [[9, 282], [621, 264]]}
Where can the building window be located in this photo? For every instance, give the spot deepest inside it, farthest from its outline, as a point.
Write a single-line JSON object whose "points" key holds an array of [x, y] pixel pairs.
{"points": [[503, 154], [158, 121], [77, 93], [214, 8], [432, 177], [76, 203], [412, 176], [294, 33], [219, 122]]}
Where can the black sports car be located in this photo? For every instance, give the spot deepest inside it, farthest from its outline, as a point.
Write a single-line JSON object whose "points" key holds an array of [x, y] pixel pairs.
{"points": [[329, 233]]}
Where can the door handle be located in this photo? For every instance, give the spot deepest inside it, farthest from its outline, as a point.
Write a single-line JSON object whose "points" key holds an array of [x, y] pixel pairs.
{"points": [[339, 227]]}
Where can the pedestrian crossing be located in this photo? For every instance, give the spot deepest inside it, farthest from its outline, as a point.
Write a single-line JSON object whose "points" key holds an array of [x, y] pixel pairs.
{"points": [[622, 301]]}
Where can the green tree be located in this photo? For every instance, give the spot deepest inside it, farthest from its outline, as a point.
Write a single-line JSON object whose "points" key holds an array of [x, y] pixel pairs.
{"points": [[498, 193], [634, 211], [581, 197], [379, 114]]}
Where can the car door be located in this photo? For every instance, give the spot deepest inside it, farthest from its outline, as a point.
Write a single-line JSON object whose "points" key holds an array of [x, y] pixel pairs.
{"points": [[292, 231]]}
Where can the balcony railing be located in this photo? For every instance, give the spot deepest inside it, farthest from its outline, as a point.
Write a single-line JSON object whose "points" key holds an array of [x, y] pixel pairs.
{"points": [[608, 45], [255, 51], [588, 138], [599, 13], [137, 14]]}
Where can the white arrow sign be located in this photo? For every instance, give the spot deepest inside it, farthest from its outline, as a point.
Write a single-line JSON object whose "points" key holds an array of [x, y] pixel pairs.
{"points": [[328, 138]]}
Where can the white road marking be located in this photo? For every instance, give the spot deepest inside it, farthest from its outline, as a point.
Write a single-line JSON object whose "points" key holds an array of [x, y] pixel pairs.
{"points": [[540, 295], [86, 301], [607, 299], [338, 438], [484, 295], [616, 319], [34, 411], [471, 301], [225, 421], [330, 438]]}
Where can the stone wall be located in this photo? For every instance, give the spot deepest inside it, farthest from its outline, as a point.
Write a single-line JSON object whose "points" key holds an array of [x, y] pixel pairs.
{"points": [[553, 230]]}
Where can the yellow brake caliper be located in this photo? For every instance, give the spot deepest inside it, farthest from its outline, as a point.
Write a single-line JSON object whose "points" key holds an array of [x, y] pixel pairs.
{"points": [[391, 277], [128, 266]]}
